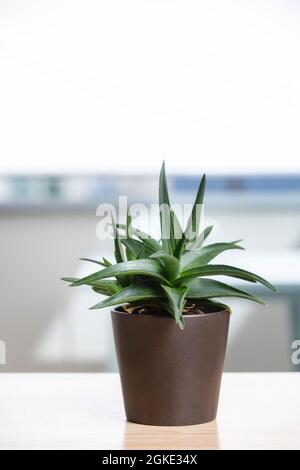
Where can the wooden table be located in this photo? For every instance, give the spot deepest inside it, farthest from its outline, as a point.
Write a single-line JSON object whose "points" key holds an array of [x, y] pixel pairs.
{"points": [[85, 411]]}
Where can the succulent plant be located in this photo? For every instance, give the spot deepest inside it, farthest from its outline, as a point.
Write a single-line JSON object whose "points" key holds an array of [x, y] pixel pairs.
{"points": [[170, 275]]}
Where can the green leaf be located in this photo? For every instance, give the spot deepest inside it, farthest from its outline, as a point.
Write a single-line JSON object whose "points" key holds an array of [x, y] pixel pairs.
{"points": [[69, 279], [204, 255], [192, 228], [139, 249], [170, 264], [193, 224], [146, 250], [177, 229], [92, 261], [143, 236], [106, 287], [119, 255], [132, 246], [209, 288], [176, 301], [165, 213], [224, 270], [149, 268], [200, 239], [130, 255], [106, 262], [128, 224], [171, 230], [131, 294]]}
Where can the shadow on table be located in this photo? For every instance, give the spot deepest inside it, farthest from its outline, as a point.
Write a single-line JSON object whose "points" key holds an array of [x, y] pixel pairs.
{"points": [[141, 437]]}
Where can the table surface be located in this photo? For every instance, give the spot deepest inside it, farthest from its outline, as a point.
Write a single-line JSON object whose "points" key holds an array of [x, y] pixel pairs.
{"points": [[85, 411]]}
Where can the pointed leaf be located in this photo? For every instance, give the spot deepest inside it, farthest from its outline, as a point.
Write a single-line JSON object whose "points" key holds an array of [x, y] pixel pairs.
{"points": [[149, 268], [165, 213], [69, 279], [130, 255], [131, 294], [106, 262], [128, 224], [106, 287], [194, 258], [200, 239], [176, 298], [170, 264], [140, 250], [193, 224], [177, 229], [225, 270], [119, 255], [93, 261], [143, 236], [134, 246], [209, 288], [146, 251]]}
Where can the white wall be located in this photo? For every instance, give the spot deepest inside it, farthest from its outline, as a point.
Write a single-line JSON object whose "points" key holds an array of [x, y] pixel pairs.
{"points": [[112, 85]]}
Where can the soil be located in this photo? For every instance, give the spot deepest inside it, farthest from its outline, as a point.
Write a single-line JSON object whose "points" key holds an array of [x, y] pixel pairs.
{"points": [[151, 309]]}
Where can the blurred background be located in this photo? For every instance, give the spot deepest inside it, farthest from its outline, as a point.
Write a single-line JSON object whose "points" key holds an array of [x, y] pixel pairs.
{"points": [[94, 94]]}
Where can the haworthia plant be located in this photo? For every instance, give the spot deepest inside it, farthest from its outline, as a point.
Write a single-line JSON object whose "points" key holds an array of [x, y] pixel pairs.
{"points": [[169, 273]]}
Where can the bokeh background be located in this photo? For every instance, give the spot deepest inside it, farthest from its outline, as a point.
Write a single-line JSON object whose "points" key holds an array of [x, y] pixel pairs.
{"points": [[93, 95]]}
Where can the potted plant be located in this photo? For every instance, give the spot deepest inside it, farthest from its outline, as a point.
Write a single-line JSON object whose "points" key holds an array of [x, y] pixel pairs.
{"points": [[170, 332]]}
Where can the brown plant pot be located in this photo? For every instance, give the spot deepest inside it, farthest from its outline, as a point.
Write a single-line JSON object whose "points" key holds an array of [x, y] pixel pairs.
{"points": [[170, 377]]}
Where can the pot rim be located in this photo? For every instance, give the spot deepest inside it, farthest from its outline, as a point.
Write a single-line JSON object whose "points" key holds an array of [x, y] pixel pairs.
{"points": [[210, 314]]}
